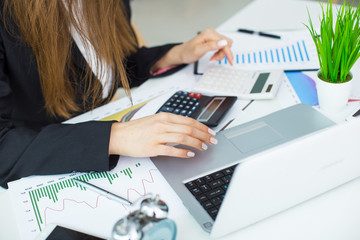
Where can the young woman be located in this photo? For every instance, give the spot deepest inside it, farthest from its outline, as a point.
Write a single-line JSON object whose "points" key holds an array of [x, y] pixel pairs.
{"points": [[59, 59]]}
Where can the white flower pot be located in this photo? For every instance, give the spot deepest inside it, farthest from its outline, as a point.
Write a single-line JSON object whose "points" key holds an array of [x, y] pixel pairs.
{"points": [[333, 97]]}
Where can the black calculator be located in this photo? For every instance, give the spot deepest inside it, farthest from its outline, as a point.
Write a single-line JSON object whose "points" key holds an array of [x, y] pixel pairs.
{"points": [[205, 109]]}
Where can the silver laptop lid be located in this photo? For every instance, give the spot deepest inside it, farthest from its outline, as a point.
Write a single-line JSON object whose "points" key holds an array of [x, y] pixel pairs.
{"points": [[282, 177]]}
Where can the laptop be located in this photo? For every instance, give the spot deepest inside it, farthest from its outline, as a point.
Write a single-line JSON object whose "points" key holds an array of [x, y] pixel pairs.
{"points": [[285, 176], [203, 182]]}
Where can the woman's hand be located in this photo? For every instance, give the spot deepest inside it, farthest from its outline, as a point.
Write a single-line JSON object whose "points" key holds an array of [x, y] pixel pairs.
{"points": [[148, 136], [194, 49]]}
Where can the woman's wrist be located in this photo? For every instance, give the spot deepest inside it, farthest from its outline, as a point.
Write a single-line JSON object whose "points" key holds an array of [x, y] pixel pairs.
{"points": [[114, 139], [170, 59]]}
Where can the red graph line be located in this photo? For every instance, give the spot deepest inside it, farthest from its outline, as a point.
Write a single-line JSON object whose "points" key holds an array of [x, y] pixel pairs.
{"points": [[143, 183], [97, 199], [71, 200]]}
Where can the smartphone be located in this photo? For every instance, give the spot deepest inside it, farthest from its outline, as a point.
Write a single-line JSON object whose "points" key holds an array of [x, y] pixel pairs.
{"points": [[56, 232]]}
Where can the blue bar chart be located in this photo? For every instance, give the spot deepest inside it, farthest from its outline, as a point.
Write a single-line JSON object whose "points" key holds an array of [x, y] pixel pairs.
{"points": [[294, 52]]}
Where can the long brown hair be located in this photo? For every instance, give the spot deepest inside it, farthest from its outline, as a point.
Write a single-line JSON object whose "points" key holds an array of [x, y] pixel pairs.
{"points": [[45, 26]]}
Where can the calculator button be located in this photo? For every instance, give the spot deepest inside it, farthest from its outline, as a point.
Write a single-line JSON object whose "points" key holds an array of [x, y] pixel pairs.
{"points": [[189, 113], [177, 111], [181, 106], [198, 95], [192, 94], [167, 109], [174, 105], [183, 112]]}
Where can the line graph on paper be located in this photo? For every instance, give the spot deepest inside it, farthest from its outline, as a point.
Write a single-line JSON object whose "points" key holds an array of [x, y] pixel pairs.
{"points": [[58, 199]]}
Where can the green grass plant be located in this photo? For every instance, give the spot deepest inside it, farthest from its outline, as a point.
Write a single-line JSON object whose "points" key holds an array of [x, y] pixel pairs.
{"points": [[337, 44]]}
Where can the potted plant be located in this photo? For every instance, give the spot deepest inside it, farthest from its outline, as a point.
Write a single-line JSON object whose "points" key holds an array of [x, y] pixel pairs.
{"points": [[338, 48]]}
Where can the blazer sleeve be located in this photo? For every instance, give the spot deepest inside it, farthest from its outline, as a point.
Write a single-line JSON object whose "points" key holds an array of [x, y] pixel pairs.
{"points": [[53, 149], [139, 63]]}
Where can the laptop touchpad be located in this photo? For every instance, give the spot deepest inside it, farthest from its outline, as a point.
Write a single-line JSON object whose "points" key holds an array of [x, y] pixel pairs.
{"points": [[253, 137]]}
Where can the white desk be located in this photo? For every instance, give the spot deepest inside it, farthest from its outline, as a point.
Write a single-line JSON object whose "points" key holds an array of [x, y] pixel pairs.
{"points": [[334, 215]]}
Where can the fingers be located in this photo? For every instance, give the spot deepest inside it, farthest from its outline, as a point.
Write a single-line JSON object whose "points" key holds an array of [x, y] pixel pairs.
{"points": [[213, 45], [150, 135], [212, 35], [183, 140], [221, 54], [215, 41], [183, 130], [177, 119], [166, 150]]}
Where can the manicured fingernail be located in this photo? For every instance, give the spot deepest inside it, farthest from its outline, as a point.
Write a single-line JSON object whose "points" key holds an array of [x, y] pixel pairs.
{"points": [[204, 146], [222, 43], [212, 132], [213, 140], [190, 154]]}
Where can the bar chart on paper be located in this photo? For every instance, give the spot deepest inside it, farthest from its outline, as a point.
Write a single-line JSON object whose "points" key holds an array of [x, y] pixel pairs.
{"points": [[295, 51], [58, 199]]}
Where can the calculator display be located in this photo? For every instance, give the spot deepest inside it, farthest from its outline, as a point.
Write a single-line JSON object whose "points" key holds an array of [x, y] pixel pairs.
{"points": [[210, 109], [260, 83], [207, 110]]}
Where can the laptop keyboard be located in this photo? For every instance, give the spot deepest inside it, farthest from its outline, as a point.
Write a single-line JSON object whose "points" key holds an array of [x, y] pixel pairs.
{"points": [[210, 190]]}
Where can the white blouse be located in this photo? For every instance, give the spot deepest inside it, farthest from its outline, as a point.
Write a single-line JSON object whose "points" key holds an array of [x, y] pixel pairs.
{"points": [[103, 72]]}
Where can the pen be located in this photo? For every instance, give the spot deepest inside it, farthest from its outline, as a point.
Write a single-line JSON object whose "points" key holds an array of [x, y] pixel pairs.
{"points": [[357, 113], [103, 192], [242, 30], [226, 125]]}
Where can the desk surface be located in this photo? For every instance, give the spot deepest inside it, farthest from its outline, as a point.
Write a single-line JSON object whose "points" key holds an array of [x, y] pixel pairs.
{"points": [[333, 215]]}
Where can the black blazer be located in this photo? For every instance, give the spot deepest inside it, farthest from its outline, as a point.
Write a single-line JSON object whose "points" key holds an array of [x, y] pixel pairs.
{"points": [[33, 143]]}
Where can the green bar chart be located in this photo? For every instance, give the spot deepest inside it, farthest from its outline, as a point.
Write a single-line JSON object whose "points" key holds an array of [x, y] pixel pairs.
{"points": [[51, 192]]}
